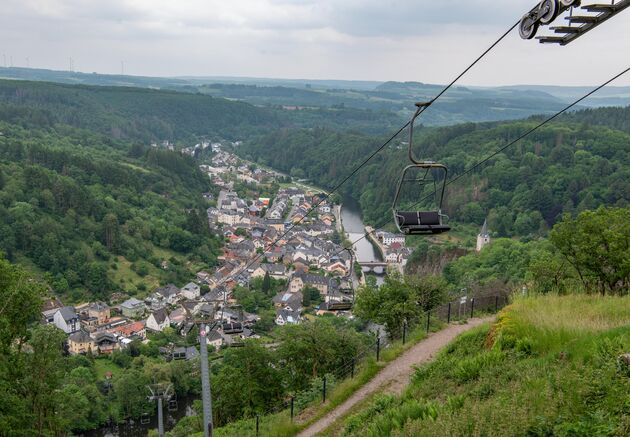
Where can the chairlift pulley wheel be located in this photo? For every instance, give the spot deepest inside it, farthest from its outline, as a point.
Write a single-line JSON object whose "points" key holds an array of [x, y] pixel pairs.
{"points": [[569, 3], [528, 27], [547, 11]]}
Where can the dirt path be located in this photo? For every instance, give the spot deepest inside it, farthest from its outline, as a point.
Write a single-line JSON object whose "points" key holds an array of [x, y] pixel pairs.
{"points": [[395, 377]]}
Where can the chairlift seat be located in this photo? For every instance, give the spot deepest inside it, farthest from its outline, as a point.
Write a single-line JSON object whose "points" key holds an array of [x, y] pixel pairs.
{"points": [[421, 222]]}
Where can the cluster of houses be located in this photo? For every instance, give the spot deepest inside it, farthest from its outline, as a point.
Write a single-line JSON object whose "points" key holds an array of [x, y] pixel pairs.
{"points": [[224, 163], [393, 248], [97, 328], [303, 256]]}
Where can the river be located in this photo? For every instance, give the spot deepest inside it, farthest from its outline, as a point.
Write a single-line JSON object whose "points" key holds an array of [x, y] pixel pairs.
{"points": [[355, 230]]}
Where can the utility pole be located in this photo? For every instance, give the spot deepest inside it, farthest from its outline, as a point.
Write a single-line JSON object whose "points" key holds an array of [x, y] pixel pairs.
{"points": [[205, 380], [160, 392]]}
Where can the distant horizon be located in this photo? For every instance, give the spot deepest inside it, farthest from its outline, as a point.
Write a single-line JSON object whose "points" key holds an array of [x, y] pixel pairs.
{"points": [[354, 40], [304, 80]]}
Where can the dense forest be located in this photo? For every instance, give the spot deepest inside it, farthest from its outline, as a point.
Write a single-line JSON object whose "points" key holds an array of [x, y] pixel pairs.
{"points": [[99, 215], [129, 113], [571, 165]]}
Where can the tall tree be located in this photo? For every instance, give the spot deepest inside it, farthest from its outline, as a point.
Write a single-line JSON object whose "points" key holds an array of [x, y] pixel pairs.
{"points": [[597, 245]]}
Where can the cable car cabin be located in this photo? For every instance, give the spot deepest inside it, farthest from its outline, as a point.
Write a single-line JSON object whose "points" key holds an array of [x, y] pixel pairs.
{"points": [[417, 206]]}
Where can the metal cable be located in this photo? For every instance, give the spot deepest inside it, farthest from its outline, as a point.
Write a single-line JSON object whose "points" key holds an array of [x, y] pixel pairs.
{"points": [[492, 155], [376, 152]]}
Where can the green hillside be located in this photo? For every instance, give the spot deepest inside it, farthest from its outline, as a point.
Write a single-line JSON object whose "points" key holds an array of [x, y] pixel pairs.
{"points": [[94, 215], [129, 113], [550, 366], [568, 166]]}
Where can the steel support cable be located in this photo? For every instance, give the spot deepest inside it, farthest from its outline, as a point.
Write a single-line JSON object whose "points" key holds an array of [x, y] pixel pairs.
{"points": [[511, 143], [377, 151]]}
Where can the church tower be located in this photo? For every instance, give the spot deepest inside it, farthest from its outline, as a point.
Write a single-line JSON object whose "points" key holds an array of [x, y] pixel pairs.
{"points": [[484, 237]]}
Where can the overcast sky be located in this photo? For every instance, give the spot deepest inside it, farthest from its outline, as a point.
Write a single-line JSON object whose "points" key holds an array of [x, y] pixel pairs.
{"points": [[423, 40]]}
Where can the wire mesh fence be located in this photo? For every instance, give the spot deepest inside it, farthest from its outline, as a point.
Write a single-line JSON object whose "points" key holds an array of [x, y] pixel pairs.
{"points": [[455, 311]]}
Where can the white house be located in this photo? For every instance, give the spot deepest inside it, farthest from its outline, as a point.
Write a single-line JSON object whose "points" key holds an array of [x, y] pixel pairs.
{"points": [[287, 317], [158, 320], [67, 320], [214, 339], [388, 238], [191, 291]]}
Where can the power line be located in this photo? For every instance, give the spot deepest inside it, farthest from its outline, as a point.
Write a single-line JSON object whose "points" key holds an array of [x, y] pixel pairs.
{"points": [[376, 152], [511, 143]]}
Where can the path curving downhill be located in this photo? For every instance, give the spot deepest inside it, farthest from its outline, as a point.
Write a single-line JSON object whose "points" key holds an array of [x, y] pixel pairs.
{"points": [[395, 376]]}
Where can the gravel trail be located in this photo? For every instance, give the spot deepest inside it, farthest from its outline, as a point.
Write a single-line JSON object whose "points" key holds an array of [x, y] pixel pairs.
{"points": [[395, 376]]}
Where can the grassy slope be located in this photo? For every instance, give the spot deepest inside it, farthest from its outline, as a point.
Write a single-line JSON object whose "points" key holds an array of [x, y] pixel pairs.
{"points": [[548, 367]]}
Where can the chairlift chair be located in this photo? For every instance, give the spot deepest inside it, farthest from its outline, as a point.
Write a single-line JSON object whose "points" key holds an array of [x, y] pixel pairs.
{"points": [[172, 403], [145, 419], [421, 174]]}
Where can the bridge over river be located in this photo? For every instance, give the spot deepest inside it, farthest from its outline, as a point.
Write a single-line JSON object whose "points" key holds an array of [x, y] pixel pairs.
{"points": [[376, 267]]}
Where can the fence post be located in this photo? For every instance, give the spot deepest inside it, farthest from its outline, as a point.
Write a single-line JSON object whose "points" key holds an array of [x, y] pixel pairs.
{"points": [[448, 317], [324, 390], [292, 400], [257, 424], [472, 307], [404, 331], [352, 371], [378, 347], [428, 320], [496, 303]]}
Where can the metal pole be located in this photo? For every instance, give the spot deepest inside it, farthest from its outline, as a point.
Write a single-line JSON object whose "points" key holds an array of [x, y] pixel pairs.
{"points": [[378, 348], [404, 331], [496, 304], [472, 307], [160, 418], [292, 400], [257, 424], [324, 390], [428, 320], [352, 371], [448, 317], [205, 384]]}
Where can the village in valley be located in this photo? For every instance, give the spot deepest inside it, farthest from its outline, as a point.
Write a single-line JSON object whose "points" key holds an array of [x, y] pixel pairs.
{"points": [[286, 248]]}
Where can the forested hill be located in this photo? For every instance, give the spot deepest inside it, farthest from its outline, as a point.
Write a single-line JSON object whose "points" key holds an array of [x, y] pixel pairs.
{"points": [[570, 165], [129, 113], [93, 215]]}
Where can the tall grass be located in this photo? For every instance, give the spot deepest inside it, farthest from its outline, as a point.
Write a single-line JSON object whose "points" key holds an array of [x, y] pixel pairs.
{"points": [[549, 366]]}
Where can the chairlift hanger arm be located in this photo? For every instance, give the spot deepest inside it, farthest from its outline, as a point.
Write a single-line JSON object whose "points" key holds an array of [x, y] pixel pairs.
{"points": [[420, 108], [547, 11]]}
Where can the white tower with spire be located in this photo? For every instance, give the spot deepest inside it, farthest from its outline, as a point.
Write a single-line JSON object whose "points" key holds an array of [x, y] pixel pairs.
{"points": [[484, 237]]}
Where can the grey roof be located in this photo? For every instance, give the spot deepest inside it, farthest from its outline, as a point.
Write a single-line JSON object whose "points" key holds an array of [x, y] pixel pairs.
{"points": [[68, 313], [191, 286], [160, 315], [167, 290], [132, 303], [80, 337], [98, 306], [105, 336], [286, 298]]}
